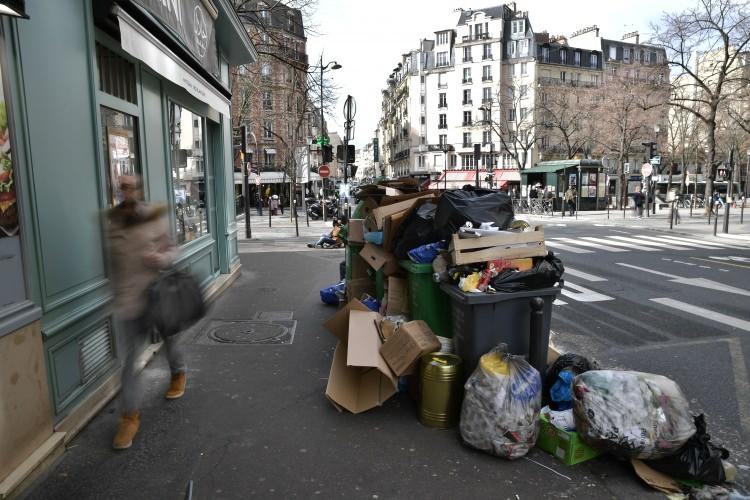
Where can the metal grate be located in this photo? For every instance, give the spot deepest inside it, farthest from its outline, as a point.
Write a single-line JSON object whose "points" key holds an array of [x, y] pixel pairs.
{"points": [[96, 350], [116, 74]]}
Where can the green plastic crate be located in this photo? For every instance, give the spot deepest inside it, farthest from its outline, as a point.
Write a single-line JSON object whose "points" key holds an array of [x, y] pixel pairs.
{"points": [[426, 300], [565, 446]]}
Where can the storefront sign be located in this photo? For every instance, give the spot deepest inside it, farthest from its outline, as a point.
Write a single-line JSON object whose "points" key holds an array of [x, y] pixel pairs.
{"points": [[193, 25]]}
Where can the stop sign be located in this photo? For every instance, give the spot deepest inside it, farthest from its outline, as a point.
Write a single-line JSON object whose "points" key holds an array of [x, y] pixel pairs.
{"points": [[324, 171]]}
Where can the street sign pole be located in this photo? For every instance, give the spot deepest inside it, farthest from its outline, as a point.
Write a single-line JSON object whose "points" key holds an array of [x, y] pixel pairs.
{"points": [[246, 186]]}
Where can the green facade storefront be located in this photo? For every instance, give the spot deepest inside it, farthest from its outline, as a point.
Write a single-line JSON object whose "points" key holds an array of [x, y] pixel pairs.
{"points": [[95, 89]]}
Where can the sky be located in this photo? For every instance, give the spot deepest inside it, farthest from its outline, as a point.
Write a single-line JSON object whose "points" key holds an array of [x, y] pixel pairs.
{"points": [[367, 37]]}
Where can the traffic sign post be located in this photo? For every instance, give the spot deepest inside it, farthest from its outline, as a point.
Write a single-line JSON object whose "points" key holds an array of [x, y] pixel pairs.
{"points": [[324, 171], [646, 170]]}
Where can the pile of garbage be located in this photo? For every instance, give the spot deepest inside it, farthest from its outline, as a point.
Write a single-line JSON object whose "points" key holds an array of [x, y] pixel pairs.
{"points": [[420, 267]]}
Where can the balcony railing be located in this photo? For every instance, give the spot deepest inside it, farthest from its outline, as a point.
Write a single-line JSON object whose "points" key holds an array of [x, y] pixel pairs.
{"points": [[442, 85], [466, 123], [476, 36], [467, 144], [468, 103], [468, 59], [442, 125], [487, 78], [545, 80], [442, 105], [466, 80], [486, 57]]}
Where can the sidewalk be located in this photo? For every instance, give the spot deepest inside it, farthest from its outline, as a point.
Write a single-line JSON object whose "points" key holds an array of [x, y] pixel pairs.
{"points": [[697, 225], [282, 226], [255, 422]]}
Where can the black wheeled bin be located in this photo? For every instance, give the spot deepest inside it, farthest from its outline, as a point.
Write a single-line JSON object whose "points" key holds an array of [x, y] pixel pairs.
{"points": [[482, 321]]}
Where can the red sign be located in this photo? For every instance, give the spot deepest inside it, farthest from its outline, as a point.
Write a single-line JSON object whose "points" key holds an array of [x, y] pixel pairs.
{"points": [[324, 171]]}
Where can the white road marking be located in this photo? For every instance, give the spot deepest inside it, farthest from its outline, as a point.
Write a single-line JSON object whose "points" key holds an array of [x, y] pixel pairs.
{"points": [[730, 258], [705, 267], [574, 241], [559, 302], [681, 262], [566, 248], [704, 313], [620, 244], [664, 258], [724, 270], [741, 236], [641, 240], [604, 225], [618, 231], [583, 294], [581, 274], [675, 241], [703, 243], [699, 282]]}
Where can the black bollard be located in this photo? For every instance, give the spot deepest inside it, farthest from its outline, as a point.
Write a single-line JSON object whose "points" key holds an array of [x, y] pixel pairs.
{"points": [[537, 348]]}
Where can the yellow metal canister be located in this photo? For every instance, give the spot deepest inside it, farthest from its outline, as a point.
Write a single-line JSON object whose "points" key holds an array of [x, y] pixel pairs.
{"points": [[440, 399]]}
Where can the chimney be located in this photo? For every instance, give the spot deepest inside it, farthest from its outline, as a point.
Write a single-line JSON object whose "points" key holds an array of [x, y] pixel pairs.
{"points": [[597, 32]]}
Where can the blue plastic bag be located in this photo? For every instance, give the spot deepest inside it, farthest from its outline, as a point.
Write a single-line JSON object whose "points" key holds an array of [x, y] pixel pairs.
{"points": [[331, 295], [425, 254], [374, 237], [371, 303], [562, 390]]}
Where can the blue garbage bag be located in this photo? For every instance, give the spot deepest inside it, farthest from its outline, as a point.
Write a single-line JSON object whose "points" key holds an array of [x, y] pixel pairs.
{"points": [[425, 254], [562, 390], [371, 303], [333, 294], [374, 237]]}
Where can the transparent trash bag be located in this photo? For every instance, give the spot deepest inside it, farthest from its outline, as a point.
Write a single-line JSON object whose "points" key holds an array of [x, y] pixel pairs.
{"points": [[631, 414], [500, 412]]}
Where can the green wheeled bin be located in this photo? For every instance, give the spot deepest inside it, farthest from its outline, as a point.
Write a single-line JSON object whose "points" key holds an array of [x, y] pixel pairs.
{"points": [[426, 300]]}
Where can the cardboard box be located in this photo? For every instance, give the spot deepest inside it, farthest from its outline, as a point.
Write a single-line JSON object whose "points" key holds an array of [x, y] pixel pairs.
{"points": [[360, 268], [383, 211], [356, 231], [407, 345], [377, 257], [359, 378], [355, 288], [397, 299], [565, 446]]}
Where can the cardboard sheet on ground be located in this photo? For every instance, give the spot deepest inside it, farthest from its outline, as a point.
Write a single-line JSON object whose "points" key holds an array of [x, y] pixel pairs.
{"points": [[359, 378]]}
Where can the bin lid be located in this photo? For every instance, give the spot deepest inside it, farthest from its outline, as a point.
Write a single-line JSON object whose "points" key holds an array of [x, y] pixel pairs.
{"points": [[490, 298], [415, 268]]}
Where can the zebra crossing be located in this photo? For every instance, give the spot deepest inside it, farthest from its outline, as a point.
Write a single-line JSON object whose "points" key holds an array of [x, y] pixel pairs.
{"points": [[635, 242]]}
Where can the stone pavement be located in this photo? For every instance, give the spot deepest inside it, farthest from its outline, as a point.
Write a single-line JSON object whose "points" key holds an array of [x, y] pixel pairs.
{"points": [[281, 226]]}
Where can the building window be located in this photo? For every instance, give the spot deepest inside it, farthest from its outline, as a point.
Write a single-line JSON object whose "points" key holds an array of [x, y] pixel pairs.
{"points": [[442, 38], [442, 100], [524, 111], [188, 175], [478, 31], [422, 119], [486, 94], [524, 69], [517, 27], [522, 91], [594, 61], [267, 100], [467, 161], [467, 96], [442, 59], [119, 131], [659, 58], [595, 79], [421, 99], [453, 161], [268, 129], [487, 51], [442, 82], [467, 118], [612, 52], [467, 75], [265, 72], [512, 49], [512, 115], [523, 48], [577, 58], [486, 137], [563, 76], [545, 54], [443, 121], [487, 73], [511, 93], [421, 78], [443, 139], [467, 139], [467, 54], [420, 162], [563, 56], [647, 59]]}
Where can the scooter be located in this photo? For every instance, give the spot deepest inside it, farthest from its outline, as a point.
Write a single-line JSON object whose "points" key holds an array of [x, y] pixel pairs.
{"points": [[315, 210]]}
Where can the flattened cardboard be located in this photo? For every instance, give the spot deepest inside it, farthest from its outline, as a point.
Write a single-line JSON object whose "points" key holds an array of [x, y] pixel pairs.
{"points": [[657, 480], [356, 231], [355, 288], [403, 350], [338, 324], [360, 378], [377, 257], [359, 267], [397, 299], [391, 225], [384, 210]]}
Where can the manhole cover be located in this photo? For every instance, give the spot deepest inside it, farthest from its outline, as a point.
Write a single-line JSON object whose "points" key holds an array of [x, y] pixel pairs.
{"points": [[251, 332]]}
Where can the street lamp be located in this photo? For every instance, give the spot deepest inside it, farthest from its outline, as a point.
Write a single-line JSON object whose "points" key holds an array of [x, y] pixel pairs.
{"points": [[487, 109], [333, 65]]}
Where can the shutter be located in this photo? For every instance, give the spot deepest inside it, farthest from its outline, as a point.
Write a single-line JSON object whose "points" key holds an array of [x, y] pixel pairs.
{"points": [[96, 350], [619, 53]]}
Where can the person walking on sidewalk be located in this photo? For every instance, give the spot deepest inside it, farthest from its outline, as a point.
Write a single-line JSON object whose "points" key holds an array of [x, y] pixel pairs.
{"points": [[139, 244], [570, 199], [638, 201]]}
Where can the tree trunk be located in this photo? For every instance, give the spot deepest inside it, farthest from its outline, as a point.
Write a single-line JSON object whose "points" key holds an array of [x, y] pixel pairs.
{"points": [[709, 176]]}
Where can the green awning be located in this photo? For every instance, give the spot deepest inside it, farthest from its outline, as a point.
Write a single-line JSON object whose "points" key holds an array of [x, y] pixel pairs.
{"points": [[547, 167]]}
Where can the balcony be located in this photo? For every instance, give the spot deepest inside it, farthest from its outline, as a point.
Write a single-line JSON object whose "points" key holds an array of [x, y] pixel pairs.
{"points": [[442, 85], [466, 123], [475, 37], [468, 59], [442, 125], [467, 145], [486, 57], [466, 80], [468, 103], [443, 105], [487, 78], [487, 100]]}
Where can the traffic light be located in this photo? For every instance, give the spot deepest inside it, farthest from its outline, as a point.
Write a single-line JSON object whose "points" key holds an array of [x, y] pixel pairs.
{"points": [[651, 150], [327, 154], [340, 153], [240, 138]]}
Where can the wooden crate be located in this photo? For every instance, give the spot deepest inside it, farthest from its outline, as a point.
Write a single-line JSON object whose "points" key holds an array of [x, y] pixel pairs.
{"points": [[505, 245]]}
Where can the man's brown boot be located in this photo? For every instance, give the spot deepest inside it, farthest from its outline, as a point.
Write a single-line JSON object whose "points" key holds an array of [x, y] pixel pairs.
{"points": [[126, 431], [176, 386]]}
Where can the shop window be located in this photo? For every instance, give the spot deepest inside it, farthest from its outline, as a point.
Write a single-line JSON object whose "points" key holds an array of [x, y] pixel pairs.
{"points": [[120, 140], [188, 174]]}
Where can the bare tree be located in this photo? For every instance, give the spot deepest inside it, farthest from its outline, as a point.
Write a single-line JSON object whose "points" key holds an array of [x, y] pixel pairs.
{"points": [[703, 45], [560, 112], [628, 108]]}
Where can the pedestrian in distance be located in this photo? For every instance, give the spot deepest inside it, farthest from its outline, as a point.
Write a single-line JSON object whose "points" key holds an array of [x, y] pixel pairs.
{"points": [[140, 246], [638, 199], [330, 240], [260, 203], [570, 199], [273, 204]]}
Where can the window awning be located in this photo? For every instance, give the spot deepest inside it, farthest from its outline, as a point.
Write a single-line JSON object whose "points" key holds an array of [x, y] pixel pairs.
{"points": [[142, 45]]}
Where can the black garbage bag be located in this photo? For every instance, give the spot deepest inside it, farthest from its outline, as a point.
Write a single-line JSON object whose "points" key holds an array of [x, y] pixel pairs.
{"points": [[545, 273], [572, 362], [698, 459], [475, 206], [418, 229]]}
